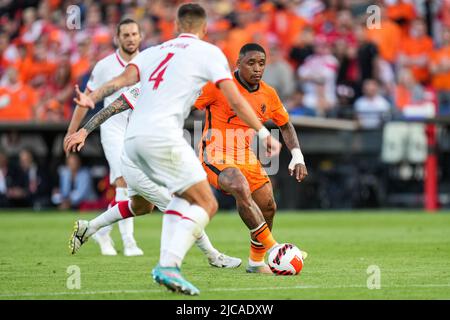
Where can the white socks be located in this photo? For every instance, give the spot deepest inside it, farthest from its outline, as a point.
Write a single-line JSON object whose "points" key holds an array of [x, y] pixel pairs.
{"points": [[105, 219], [205, 245], [179, 233]]}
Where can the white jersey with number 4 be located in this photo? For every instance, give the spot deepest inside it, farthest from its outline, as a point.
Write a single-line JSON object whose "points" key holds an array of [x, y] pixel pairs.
{"points": [[171, 76]]}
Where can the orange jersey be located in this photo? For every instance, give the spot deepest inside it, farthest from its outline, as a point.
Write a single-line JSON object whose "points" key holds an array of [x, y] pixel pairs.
{"points": [[225, 136]]}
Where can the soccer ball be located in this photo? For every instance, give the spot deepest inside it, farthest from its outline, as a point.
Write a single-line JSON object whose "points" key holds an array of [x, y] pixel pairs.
{"points": [[286, 259]]}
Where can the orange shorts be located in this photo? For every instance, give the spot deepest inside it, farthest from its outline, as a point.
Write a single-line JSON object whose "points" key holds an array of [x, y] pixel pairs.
{"points": [[254, 173]]}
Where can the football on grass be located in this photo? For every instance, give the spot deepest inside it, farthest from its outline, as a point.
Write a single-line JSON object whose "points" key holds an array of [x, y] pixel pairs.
{"points": [[286, 259]]}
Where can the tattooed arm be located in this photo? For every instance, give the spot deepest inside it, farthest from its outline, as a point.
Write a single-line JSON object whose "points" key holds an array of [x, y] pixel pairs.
{"points": [[127, 78], [297, 165], [76, 140]]}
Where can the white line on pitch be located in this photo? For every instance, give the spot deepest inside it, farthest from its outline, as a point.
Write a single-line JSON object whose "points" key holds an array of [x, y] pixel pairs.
{"points": [[43, 294]]}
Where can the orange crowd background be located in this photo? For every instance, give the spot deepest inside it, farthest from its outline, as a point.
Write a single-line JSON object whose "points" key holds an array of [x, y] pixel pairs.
{"points": [[406, 59]]}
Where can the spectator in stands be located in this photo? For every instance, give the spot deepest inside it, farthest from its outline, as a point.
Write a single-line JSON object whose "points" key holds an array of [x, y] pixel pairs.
{"points": [[295, 106], [372, 109], [415, 51], [75, 185], [55, 102], [402, 12], [279, 74], [409, 92], [440, 70], [318, 78], [29, 186], [4, 177], [17, 100], [302, 48]]}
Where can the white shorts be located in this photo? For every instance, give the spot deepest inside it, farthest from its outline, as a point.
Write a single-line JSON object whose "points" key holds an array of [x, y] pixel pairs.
{"points": [[139, 184], [170, 163], [112, 143]]}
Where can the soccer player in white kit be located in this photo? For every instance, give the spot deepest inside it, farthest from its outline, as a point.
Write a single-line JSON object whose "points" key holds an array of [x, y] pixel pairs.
{"points": [[172, 75], [112, 132]]}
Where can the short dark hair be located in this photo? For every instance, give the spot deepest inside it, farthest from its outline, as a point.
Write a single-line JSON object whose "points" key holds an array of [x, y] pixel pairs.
{"points": [[126, 21], [251, 47], [189, 14]]}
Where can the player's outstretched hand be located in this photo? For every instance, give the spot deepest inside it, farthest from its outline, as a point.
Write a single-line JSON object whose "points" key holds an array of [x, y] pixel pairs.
{"points": [[76, 141], [298, 170], [82, 99], [272, 145]]}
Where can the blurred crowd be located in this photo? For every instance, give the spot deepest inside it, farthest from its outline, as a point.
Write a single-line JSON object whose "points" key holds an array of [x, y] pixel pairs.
{"points": [[330, 58], [326, 58]]}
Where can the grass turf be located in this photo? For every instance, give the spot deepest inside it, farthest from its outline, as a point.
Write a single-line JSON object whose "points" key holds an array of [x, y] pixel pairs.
{"points": [[411, 249]]}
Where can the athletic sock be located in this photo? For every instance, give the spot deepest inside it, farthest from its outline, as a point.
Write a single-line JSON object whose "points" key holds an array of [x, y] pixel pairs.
{"points": [[257, 251], [120, 211], [205, 245], [126, 226], [171, 217], [263, 235], [187, 230]]}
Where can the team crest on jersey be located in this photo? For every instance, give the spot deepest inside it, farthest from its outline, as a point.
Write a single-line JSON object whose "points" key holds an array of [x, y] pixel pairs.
{"points": [[135, 92], [263, 108]]}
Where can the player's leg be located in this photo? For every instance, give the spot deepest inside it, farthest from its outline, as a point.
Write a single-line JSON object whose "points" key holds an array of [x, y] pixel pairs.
{"points": [[83, 229], [233, 181], [126, 226]]}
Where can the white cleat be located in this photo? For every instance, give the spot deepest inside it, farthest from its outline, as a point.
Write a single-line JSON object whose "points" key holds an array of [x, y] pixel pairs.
{"points": [[106, 244], [78, 235], [224, 261], [131, 249]]}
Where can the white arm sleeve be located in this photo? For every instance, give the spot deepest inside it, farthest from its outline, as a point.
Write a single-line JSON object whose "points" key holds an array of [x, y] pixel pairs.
{"points": [[132, 95], [96, 79], [217, 68]]}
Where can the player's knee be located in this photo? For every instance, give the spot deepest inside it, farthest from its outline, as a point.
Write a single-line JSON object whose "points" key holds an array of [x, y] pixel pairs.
{"points": [[141, 207]]}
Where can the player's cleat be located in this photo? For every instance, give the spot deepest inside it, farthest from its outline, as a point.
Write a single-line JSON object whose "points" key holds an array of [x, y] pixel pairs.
{"points": [[224, 261], [304, 254], [130, 249], [106, 244], [171, 278], [78, 235], [259, 269]]}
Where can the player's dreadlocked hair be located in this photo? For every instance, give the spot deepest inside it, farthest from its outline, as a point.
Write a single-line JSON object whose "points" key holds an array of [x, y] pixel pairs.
{"points": [[250, 47]]}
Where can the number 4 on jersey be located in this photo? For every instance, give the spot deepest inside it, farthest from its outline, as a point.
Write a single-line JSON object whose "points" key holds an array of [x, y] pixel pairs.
{"points": [[157, 75]]}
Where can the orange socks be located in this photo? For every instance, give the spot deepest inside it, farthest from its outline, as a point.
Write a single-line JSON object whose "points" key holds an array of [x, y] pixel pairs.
{"points": [[257, 251], [263, 235]]}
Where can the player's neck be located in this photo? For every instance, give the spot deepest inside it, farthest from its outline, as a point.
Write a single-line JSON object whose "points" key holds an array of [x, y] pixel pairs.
{"points": [[127, 57], [247, 85]]}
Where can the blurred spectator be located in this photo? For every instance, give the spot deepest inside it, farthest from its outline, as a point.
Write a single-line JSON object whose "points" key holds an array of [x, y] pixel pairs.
{"points": [[415, 51], [372, 109], [410, 93], [55, 102], [402, 12], [318, 77], [17, 100], [303, 47], [279, 74], [4, 177], [343, 29], [29, 187], [387, 37], [75, 185], [440, 70], [295, 106]]}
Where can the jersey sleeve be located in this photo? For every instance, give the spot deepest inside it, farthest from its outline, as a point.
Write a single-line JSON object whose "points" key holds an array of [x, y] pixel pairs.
{"points": [[132, 95], [280, 116], [95, 80], [206, 96], [217, 68]]}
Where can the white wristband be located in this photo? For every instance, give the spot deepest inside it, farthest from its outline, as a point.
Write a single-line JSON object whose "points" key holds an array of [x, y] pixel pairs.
{"points": [[263, 133], [297, 156]]}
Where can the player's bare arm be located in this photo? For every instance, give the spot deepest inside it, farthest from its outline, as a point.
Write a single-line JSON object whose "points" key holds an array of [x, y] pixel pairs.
{"points": [[77, 117], [297, 166], [76, 141], [127, 78], [245, 112]]}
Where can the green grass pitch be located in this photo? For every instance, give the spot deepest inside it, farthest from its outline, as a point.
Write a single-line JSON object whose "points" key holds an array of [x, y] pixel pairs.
{"points": [[411, 250]]}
